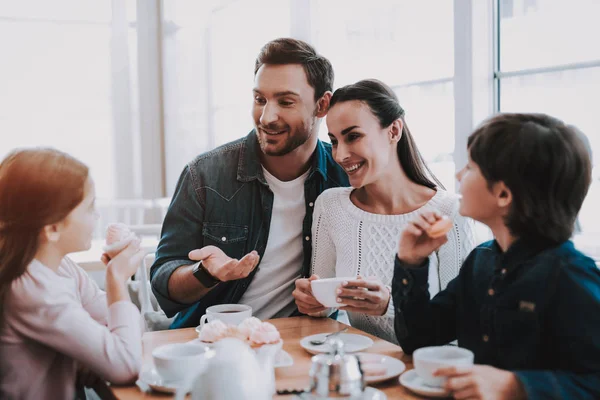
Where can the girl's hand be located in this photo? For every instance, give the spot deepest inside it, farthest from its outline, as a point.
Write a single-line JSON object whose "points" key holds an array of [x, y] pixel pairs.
{"points": [[127, 262], [367, 296]]}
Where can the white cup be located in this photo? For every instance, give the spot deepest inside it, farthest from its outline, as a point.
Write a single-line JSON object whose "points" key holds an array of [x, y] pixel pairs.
{"points": [[429, 359], [324, 290], [232, 314], [176, 361]]}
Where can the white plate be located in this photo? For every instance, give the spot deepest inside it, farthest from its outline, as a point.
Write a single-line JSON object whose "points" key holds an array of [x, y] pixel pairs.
{"points": [[151, 378], [394, 367], [411, 381], [282, 357], [352, 343]]}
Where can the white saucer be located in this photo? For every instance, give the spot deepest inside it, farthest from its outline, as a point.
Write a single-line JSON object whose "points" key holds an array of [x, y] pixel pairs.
{"points": [[411, 381], [394, 367], [151, 378], [352, 343]]}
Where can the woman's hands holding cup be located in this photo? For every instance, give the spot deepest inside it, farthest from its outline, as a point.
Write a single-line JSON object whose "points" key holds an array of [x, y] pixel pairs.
{"points": [[367, 296], [305, 300], [415, 243]]}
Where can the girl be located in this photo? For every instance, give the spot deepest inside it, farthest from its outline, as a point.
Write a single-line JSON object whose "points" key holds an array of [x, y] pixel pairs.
{"points": [[54, 319]]}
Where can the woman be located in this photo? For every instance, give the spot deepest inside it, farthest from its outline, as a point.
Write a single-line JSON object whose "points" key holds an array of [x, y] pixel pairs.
{"points": [[356, 229], [54, 321]]}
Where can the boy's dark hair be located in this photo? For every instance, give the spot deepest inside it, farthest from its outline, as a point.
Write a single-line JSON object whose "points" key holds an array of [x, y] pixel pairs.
{"points": [[318, 69], [546, 166]]}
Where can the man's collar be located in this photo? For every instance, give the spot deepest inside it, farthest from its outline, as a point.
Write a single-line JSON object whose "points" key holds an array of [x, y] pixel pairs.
{"points": [[249, 167]]}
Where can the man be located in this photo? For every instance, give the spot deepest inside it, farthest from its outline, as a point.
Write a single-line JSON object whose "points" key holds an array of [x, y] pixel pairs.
{"points": [[243, 212]]}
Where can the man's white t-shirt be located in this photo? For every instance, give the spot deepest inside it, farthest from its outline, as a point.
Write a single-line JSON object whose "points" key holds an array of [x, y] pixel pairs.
{"points": [[270, 292]]}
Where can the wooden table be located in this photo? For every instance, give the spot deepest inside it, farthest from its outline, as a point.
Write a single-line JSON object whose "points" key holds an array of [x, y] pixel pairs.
{"points": [[295, 376]]}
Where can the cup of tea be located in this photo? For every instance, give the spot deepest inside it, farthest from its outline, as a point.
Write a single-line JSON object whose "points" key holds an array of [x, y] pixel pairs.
{"points": [[175, 361], [428, 359], [232, 314], [324, 290]]}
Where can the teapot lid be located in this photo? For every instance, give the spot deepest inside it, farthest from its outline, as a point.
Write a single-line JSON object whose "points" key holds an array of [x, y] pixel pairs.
{"points": [[336, 347]]}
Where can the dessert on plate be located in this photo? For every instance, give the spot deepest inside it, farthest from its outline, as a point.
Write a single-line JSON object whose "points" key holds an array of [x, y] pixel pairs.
{"points": [[252, 331]]}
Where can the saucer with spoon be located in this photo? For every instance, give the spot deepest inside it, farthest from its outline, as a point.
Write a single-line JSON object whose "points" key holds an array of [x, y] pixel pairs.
{"points": [[317, 344]]}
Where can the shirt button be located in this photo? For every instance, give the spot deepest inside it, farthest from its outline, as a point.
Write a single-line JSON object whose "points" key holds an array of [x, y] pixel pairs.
{"points": [[307, 238], [224, 238], [503, 271], [486, 338], [311, 204], [491, 292], [405, 281]]}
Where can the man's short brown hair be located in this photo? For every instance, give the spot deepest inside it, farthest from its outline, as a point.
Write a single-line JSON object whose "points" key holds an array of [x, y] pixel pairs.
{"points": [[318, 69]]}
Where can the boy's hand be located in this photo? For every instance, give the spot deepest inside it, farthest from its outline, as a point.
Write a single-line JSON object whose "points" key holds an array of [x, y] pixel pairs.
{"points": [[415, 245], [482, 382]]}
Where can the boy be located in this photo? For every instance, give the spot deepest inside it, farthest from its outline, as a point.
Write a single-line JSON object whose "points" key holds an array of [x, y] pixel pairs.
{"points": [[527, 303]]}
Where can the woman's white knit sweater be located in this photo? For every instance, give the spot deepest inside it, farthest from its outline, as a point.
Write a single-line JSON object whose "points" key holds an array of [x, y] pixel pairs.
{"points": [[348, 241]]}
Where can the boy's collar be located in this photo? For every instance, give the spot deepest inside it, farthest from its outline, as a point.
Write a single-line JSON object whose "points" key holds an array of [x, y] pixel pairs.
{"points": [[519, 252]]}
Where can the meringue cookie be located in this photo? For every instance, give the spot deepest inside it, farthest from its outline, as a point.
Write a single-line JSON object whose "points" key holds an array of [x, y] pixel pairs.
{"points": [[264, 334], [116, 232], [248, 325], [118, 237], [440, 228], [212, 331], [234, 332]]}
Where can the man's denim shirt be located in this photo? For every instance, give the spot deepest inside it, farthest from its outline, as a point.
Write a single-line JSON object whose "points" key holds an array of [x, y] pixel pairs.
{"points": [[222, 199], [534, 310]]}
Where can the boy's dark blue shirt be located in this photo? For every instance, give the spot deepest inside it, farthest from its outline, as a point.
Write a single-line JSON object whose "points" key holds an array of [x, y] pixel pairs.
{"points": [[534, 310]]}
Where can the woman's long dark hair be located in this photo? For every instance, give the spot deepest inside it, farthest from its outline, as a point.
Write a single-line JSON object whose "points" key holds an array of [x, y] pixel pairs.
{"points": [[38, 187], [383, 103]]}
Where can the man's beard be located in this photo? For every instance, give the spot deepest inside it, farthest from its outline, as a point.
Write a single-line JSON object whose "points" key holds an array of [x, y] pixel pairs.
{"points": [[294, 141]]}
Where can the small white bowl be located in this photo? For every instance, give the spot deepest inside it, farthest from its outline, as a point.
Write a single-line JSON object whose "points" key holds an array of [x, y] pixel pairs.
{"points": [[324, 290], [429, 359], [175, 361]]}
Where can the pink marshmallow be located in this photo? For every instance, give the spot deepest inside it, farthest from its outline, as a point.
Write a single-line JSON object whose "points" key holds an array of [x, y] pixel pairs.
{"points": [[117, 232], [212, 331], [249, 325], [266, 333]]}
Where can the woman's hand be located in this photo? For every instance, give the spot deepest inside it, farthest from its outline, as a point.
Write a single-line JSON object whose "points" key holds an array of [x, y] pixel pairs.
{"points": [[415, 245], [306, 302], [367, 296]]}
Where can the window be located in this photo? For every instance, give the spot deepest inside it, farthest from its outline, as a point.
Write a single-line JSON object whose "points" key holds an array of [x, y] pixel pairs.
{"points": [[209, 72], [384, 42], [548, 62], [58, 80]]}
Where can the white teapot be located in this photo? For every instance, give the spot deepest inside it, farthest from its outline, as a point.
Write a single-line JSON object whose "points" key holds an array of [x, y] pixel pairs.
{"points": [[236, 372]]}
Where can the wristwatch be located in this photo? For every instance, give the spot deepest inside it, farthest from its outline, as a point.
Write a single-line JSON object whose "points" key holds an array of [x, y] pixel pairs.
{"points": [[202, 274]]}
